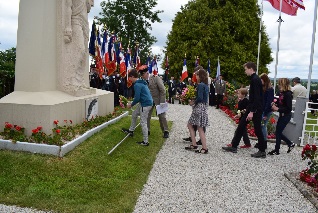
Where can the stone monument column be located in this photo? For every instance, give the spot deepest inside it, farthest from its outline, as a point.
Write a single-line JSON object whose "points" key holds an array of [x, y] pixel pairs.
{"points": [[52, 72]]}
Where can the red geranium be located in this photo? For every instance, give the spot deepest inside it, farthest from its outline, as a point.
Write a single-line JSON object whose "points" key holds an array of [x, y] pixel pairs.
{"points": [[56, 122], [18, 128], [58, 131]]}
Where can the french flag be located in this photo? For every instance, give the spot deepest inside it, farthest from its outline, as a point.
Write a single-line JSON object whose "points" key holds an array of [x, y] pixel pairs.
{"points": [[184, 74]]}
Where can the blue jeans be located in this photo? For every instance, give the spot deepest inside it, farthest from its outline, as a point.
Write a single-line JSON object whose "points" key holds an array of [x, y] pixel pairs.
{"points": [[281, 124], [264, 125]]}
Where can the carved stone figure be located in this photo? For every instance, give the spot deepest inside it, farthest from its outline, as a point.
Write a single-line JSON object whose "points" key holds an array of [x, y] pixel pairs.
{"points": [[76, 36]]}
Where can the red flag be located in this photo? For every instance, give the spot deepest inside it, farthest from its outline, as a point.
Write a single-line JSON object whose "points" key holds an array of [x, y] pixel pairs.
{"points": [[122, 65], [299, 3], [129, 82], [288, 6], [99, 62]]}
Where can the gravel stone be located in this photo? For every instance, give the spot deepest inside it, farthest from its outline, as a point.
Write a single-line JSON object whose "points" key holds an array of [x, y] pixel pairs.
{"points": [[184, 181]]}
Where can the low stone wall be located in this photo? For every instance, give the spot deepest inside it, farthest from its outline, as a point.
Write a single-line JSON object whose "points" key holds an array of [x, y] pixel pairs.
{"points": [[59, 151]]}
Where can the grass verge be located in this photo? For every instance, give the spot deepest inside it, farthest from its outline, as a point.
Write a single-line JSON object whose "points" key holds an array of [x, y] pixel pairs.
{"points": [[85, 180]]}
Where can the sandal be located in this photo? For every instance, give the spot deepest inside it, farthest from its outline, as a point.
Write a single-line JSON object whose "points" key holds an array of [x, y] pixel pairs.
{"points": [[202, 151], [191, 147]]}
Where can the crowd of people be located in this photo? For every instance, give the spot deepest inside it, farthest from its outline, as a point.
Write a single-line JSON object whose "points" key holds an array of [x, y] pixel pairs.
{"points": [[255, 104]]}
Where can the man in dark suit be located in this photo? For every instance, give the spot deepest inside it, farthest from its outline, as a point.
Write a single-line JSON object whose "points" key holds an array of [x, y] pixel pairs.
{"points": [[171, 89], [220, 88]]}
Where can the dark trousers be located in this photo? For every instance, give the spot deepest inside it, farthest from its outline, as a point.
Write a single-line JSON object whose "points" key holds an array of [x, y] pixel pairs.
{"points": [[171, 98], [219, 100], [241, 130], [281, 124]]}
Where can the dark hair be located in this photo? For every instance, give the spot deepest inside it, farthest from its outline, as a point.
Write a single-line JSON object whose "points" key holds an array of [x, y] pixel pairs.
{"points": [[197, 68], [143, 71], [133, 73], [296, 80], [203, 76], [266, 80], [250, 65]]}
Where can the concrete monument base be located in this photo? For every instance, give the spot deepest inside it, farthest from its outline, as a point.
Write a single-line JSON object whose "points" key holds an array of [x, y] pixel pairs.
{"points": [[33, 109]]}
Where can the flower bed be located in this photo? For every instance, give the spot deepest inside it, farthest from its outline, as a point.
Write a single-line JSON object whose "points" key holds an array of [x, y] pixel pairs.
{"points": [[62, 133], [57, 150]]}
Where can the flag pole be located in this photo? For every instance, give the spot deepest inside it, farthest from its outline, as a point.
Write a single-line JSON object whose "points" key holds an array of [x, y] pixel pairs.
{"points": [[312, 49], [259, 37], [277, 50]]}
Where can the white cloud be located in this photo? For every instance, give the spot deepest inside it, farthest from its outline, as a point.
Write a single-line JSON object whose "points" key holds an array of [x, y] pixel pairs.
{"points": [[295, 34]]}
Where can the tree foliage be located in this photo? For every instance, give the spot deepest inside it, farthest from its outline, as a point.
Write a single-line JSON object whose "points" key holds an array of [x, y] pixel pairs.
{"points": [[218, 28], [7, 71], [131, 20]]}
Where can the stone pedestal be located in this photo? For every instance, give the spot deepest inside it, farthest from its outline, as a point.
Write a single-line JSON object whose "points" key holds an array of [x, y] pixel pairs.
{"points": [[40, 96], [33, 109]]}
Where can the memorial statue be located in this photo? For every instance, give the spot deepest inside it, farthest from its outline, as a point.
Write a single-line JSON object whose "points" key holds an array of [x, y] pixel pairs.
{"points": [[76, 36]]}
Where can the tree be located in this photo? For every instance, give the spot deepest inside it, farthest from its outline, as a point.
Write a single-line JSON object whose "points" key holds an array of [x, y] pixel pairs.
{"points": [[218, 28], [7, 71], [131, 20]]}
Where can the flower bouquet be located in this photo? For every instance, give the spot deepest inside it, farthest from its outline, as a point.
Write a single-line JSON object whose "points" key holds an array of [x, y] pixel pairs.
{"points": [[123, 101], [188, 94]]}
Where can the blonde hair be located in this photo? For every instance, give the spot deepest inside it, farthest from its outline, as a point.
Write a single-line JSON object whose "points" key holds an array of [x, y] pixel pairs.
{"points": [[243, 91], [284, 84]]}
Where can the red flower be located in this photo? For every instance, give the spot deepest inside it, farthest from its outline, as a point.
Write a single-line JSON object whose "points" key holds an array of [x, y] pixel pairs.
{"points": [[71, 121], [314, 148], [39, 128], [306, 147], [58, 131], [65, 121], [56, 122], [272, 120], [18, 128], [8, 125], [35, 131]]}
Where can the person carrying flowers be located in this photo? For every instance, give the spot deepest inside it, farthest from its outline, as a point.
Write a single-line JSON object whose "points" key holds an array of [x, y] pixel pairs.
{"points": [[241, 109], [284, 108]]}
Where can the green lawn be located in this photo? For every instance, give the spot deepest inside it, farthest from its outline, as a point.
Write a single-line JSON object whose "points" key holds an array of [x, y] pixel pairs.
{"points": [[312, 120], [85, 180]]}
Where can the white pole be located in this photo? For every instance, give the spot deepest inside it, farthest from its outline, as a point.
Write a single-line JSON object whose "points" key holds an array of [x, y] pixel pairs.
{"points": [[277, 50], [312, 49], [259, 37]]}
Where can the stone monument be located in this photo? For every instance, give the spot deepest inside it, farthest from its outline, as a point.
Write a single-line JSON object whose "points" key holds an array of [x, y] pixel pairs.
{"points": [[52, 67]]}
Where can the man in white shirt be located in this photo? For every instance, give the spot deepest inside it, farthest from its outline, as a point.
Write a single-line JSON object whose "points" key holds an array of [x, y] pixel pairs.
{"points": [[298, 89]]}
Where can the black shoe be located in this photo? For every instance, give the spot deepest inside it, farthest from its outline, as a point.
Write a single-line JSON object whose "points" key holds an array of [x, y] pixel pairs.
{"points": [[256, 145], [273, 152], [290, 148], [187, 139], [259, 154], [148, 132], [143, 143], [166, 134], [199, 142], [127, 131], [230, 149]]}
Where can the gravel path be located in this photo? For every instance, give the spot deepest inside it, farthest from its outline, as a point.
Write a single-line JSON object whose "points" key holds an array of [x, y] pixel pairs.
{"points": [[183, 181]]}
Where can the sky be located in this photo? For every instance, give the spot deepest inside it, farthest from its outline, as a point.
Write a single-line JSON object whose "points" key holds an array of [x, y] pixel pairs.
{"points": [[295, 41]]}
